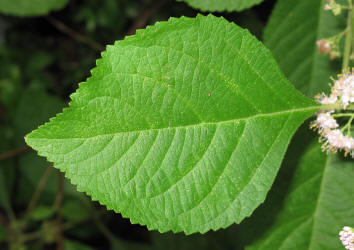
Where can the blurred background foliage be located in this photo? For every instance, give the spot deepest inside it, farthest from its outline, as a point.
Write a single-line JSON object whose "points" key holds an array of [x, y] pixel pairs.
{"points": [[42, 60]]}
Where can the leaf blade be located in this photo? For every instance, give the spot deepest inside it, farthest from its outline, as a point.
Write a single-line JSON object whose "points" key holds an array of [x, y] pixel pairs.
{"points": [[148, 134]]}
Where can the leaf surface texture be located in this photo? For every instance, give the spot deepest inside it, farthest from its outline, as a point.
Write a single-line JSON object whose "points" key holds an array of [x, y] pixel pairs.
{"points": [[181, 127]]}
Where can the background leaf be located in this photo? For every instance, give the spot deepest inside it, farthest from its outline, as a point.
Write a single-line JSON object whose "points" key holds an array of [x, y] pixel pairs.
{"points": [[181, 127], [222, 5], [30, 8], [291, 35], [310, 202]]}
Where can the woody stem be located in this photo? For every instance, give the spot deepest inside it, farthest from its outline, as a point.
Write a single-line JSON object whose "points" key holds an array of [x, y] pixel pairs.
{"points": [[348, 38]]}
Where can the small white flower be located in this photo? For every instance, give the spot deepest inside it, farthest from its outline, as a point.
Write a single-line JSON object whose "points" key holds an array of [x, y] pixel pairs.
{"points": [[347, 237], [323, 99], [344, 89], [334, 140], [325, 120]]}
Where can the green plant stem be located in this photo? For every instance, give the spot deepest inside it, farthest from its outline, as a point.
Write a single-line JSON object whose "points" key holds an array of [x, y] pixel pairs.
{"points": [[343, 115], [338, 36], [146, 15], [59, 197], [336, 106], [348, 38], [349, 124], [104, 230]]}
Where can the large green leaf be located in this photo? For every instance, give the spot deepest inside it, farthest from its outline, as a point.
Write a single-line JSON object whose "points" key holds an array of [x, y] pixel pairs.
{"points": [[30, 7], [291, 35], [181, 127], [221, 5]]}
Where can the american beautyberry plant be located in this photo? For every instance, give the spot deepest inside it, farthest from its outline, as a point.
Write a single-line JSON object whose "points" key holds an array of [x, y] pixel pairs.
{"points": [[183, 126]]}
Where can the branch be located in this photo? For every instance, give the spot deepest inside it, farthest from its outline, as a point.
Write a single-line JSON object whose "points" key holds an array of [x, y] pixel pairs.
{"points": [[145, 16], [75, 35], [12, 153], [38, 191], [97, 220], [348, 39]]}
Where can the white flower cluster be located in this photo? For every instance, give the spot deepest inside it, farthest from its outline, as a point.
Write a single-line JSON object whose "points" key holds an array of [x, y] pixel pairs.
{"points": [[335, 140], [332, 137], [343, 94], [347, 237], [342, 90]]}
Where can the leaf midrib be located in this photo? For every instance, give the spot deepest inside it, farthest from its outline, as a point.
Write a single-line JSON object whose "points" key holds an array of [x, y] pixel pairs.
{"points": [[291, 111]]}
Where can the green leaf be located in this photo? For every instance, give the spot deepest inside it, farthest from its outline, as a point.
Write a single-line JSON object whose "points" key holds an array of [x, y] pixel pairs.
{"points": [[291, 35], [30, 7], [181, 127], [312, 209], [222, 5]]}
